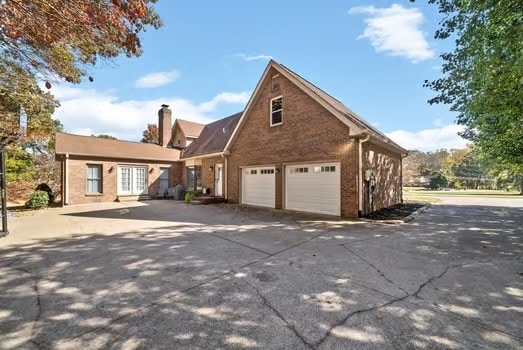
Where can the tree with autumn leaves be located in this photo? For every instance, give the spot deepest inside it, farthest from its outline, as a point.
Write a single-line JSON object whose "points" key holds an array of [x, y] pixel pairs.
{"points": [[47, 41]]}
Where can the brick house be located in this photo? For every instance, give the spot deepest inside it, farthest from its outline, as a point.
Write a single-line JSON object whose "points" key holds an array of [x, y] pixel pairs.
{"points": [[293, 147], [103, 170]]}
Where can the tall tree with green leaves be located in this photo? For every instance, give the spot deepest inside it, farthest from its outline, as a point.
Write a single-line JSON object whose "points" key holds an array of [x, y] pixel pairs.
{"points": [[483, 75]]}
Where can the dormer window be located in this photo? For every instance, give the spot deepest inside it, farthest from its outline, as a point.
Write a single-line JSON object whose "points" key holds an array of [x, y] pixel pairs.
{"points": [[276, 111]]}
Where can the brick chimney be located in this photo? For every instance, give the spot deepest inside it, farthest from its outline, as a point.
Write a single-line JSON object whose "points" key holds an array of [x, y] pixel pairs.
{"points": [[164, 125]]}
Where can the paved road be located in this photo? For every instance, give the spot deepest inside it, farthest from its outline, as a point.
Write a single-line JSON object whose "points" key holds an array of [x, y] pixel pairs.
{"points": [[165, 275]]}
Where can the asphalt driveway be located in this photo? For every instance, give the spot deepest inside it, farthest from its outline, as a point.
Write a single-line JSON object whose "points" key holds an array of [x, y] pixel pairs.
{"points": [[166, 275]]}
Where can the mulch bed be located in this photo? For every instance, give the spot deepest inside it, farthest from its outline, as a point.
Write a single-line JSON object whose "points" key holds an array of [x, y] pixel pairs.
{"points": [[395, 212]]}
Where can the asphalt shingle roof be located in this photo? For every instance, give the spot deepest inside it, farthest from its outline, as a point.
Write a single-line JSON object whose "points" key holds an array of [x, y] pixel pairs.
{"points": [[98, 147], [213, 138]]}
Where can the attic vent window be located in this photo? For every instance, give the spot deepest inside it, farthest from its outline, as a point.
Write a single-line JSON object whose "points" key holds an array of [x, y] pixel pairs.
{"points": [[275, 82], [276, 111]]}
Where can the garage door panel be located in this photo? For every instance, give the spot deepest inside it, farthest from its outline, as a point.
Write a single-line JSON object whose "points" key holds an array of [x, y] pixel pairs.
{"points": [[313, 188], [318, 188], [259, 188]]}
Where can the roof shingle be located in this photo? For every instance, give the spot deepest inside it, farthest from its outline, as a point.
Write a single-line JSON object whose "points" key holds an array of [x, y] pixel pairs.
{"points": [[213, 138], [190, 129], [106, 148]]}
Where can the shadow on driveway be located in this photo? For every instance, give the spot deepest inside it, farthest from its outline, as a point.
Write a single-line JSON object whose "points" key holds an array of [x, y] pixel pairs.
{"points": [[253, 282]]}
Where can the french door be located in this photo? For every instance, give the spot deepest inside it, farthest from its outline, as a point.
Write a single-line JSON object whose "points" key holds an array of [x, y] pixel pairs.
{"points": [[132, 180]]}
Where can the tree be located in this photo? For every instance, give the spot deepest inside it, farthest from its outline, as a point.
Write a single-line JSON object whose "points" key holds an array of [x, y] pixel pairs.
{"points": [[52, 37], [482, 76], [106, 136], [52, 40], [437, 181], [150, 135]]}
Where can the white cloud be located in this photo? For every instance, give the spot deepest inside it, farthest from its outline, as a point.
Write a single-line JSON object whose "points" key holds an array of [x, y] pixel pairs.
{"points": [[438, 122], [225, 97], [395, 30], [156, 79], [89, 112], [430, 139], [246, 57]]}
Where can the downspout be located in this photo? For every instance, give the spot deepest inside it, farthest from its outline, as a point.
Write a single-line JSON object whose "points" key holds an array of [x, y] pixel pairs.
{"points": [[401, 179], [360, 174], [224, 174], [401, 175], [66, 175]]}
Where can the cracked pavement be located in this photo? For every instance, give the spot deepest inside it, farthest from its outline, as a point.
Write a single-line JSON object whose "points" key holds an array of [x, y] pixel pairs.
{"points": [[163, 275]]}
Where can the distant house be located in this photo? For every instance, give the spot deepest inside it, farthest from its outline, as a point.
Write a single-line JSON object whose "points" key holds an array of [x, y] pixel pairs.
{"points": [[293, 147]]}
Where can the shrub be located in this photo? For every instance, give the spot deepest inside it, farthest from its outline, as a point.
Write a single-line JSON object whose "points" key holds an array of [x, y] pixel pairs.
{"points": [[189, 197], [438, 181], [45, 187], [39, 199]]}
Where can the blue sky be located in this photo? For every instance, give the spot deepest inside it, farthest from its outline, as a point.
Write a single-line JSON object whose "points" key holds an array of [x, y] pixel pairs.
{"points": [[207, 58]]}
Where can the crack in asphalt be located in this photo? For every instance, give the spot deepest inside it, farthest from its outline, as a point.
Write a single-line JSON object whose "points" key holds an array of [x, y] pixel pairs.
{"points": [[157, 302], [395, 300], [289, 325], [36, 280], [432, 279], [267, 303], [232, 241], [376, 269]]}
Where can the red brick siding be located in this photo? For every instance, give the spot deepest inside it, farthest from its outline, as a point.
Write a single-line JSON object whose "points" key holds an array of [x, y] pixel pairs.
{"points": [[77, 176], [387, 168], [309, 133], [208, 175]]}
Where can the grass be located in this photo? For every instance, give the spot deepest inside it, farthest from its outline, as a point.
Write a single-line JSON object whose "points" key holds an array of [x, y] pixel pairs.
{"points": [[419, 194]]}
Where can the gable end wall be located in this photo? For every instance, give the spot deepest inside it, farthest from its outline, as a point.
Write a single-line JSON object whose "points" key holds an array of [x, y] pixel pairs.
{"points": [[309, 133]]}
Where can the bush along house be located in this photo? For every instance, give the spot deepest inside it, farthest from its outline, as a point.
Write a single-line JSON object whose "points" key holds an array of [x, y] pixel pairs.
{"points": [[294, 147]]}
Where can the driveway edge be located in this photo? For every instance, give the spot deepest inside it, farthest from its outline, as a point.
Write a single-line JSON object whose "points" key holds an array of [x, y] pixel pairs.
{"points": [[417, 213]]}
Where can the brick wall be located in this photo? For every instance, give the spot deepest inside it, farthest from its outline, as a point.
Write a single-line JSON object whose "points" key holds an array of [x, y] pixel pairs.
{"points": [[308, 133], [77, 175], [178, 135], [387, 169], [208, 175]]}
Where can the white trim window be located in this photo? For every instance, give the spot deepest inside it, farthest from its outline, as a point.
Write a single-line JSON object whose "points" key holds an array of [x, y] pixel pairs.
{"points": [[132, 180], [94, 178], [276, 111]]}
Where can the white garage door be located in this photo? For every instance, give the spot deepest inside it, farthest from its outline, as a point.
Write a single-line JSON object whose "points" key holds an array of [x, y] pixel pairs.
{"points": [[313, 188], [259, 186]]}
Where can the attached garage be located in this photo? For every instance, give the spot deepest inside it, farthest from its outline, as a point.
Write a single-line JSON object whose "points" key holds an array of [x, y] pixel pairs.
{"points": [[259, 186], [313, 188]]}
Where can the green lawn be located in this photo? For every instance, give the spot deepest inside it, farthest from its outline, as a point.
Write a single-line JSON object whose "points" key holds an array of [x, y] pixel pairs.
{"points": [[421, 194]]}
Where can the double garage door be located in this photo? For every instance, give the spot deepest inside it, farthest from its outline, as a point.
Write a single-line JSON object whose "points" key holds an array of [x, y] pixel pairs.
{"points": [[311, 187]]}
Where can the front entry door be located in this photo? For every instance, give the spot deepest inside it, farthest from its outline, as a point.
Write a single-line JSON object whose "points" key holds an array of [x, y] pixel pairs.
{"points": [[132, 180], [218, 180]]}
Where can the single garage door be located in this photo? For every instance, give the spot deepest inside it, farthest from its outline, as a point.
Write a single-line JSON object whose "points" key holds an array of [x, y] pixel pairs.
{"points": [[259, 186], [313, 188]]}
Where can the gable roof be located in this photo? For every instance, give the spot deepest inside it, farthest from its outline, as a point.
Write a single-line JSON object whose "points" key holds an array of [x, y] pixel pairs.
{"points": [[98, 147], [190, 129], [356, 124], [213, 138]]}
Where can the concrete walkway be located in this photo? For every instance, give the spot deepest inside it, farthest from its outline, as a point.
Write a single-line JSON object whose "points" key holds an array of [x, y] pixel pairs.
{"points": [[166, 275]]}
